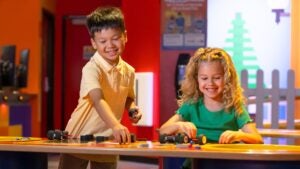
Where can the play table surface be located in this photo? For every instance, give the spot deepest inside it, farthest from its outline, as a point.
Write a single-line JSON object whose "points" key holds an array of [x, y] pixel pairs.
{"points": [[153, 148]]}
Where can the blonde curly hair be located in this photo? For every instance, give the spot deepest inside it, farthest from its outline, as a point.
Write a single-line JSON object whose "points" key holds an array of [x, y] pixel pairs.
{"points": [[233, 93]]}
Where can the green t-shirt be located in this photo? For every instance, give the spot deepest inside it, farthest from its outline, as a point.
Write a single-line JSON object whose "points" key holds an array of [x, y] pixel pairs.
{"points": [[212, 124]]}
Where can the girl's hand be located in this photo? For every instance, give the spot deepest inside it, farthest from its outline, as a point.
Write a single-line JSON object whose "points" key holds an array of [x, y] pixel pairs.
{"points": [[229, 136], [121, 134], [188, 128]]}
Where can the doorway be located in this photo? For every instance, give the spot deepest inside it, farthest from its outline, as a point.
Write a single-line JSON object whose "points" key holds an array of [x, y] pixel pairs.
{"points": [[76, 45], [47, 72]]}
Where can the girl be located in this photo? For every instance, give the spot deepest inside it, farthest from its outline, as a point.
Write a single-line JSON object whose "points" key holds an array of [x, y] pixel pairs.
{"points": [[212, 102]]}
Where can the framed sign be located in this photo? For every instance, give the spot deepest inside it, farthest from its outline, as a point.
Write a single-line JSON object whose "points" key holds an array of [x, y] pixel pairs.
{"points": [[183, 24]]}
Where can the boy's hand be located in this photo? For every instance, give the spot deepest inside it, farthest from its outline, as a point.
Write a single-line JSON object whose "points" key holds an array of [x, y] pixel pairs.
{"points": [[121, 134], [134, 115]]}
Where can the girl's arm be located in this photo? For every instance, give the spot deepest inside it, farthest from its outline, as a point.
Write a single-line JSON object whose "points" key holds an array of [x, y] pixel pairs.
{"points": [[251, 134], [248, 134], [175, 125]]}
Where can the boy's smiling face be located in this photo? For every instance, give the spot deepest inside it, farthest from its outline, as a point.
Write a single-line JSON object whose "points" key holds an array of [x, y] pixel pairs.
{"points": [[110, 44]]}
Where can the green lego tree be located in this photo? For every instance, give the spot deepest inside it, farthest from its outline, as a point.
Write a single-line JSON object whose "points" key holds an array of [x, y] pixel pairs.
{"points": [[239, 44]]}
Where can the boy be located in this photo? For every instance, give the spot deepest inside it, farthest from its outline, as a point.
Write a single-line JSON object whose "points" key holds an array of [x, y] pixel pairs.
{"points": [[107, 87]]}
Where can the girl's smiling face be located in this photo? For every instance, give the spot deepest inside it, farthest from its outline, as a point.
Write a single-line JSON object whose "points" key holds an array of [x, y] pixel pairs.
{"points": [[211, 80]]}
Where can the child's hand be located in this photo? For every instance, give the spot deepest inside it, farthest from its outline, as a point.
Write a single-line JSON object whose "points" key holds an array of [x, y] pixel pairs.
{"points": [[121, 134], [188, 128], [229, 136]]}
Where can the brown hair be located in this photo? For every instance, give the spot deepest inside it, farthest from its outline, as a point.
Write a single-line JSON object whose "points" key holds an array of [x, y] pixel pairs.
{"points": [[103, 18]]}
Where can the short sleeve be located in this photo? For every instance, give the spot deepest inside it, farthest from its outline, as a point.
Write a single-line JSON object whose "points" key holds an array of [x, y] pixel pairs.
{"points": [[243, 118], [184, 112], [90, 79]]}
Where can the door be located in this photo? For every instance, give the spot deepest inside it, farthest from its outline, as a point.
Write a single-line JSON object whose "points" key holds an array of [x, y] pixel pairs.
{"points": [[47, 71], [76, 52]]}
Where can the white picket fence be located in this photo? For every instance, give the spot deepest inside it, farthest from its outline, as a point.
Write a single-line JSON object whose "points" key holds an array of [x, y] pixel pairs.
{"points": [[273, 95]]}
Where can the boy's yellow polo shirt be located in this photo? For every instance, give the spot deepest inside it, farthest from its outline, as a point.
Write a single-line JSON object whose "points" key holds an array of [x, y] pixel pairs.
{"points": [[115, 82]]}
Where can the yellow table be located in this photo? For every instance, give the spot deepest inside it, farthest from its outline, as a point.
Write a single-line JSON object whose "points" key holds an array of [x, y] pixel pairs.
{"points": [[233, 156]]}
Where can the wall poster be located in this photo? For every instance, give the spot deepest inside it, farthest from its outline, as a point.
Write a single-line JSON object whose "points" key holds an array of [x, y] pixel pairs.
{"points": [[183, 24]]}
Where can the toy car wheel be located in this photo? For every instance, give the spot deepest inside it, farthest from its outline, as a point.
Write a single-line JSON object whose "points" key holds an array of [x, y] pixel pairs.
{"points": [[182, 138], [162, 138], [202, 139], [186, 139]]}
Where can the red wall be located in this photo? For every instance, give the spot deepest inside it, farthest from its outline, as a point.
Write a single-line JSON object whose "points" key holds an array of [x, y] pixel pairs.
{"points": [[142, 50]]}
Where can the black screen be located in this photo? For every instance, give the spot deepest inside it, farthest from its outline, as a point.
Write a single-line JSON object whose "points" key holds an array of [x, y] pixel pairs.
{"points": [[22, 69], [7, 66]]}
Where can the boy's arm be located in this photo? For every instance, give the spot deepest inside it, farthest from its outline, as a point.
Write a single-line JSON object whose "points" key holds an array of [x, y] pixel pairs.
{"points": [[120, 132], [130, 104]]}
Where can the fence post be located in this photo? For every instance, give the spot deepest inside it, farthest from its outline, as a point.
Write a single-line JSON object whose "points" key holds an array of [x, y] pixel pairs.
{"points": [[259, 100], [275, 98]]}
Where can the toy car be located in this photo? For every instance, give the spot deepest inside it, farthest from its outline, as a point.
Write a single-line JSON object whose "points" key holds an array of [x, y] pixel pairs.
{"points": [[57, 135], [182, 138]]}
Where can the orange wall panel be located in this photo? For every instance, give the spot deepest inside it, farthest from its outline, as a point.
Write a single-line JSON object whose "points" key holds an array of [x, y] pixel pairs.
{"points": [[4, 131], [21, 26], [15, 130], [295, 49], [4, 115]]}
